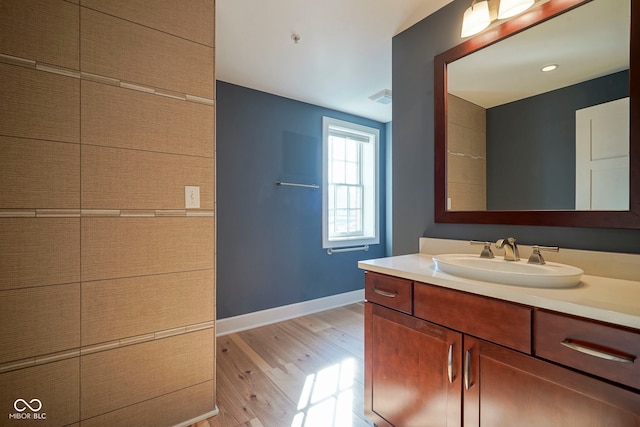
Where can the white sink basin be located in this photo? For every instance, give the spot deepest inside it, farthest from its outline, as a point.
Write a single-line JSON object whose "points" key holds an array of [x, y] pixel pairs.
{"points": [[519, 273]]}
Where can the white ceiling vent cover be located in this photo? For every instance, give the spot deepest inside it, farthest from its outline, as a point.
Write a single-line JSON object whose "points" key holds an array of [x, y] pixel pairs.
{"points": [[383, 97]]}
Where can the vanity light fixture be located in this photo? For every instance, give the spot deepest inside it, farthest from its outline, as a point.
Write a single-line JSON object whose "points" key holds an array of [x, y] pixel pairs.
{"points": [[548, 68], [509, 8], [476, 18]]}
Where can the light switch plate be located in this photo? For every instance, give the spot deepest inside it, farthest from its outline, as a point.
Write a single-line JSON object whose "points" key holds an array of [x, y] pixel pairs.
{"points": [[191, 197]]}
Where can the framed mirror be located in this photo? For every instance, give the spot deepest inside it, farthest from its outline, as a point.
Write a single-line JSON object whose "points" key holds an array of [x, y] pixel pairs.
{"points": [[507, 139]]}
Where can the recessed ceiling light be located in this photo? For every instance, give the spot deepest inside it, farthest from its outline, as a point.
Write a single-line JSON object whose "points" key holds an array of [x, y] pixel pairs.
{"points": [[548, 68]]}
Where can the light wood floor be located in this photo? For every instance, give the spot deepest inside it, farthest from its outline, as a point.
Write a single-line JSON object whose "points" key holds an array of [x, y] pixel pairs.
{"points": [[304, 372]]}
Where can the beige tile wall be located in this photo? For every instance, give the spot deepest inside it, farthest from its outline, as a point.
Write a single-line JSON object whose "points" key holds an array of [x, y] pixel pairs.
{"points": [[466, 155], [107, 293], [53, 324], [39, 251], [31, 182], [117, 48], [117, 117], [194, 400], [39, 104], [56, 385], [46, 32], [187, 19], [118, 378], [161, 302], [132, 179]]}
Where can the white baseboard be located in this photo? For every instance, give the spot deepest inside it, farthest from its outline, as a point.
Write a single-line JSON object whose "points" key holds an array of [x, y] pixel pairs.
{"points": [[243, 322]]}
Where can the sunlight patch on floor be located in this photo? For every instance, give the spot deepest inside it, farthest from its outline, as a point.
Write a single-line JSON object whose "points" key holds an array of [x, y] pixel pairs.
{"points": [[326, 399]]}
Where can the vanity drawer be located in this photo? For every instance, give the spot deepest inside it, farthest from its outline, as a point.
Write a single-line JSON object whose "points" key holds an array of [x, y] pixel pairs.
{"points": [[497, 321], [388, 291], [604, 350]]}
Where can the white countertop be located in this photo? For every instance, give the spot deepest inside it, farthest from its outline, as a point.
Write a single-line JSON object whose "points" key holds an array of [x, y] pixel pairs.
{"points": [[609, 300]]}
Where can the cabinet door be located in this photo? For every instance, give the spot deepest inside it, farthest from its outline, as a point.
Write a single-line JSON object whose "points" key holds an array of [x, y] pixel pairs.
{"points": [[506, 388], [412, 370]]}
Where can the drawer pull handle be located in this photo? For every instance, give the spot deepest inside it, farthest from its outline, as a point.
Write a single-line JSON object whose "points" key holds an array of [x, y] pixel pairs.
{"points": [[384, 293], [467, 370], [450, 363], [594, 350]]}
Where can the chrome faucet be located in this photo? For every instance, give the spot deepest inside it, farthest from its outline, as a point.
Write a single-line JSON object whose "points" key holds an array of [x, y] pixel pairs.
{"points": [[510, 249]]}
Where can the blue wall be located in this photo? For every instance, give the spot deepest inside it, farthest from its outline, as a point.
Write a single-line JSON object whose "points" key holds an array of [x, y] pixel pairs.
{"points": [[541, 130], [269, 242], [413, 152]]}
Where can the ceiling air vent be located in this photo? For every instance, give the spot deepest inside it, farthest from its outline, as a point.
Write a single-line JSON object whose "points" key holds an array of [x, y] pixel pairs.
{"points": [[383, 97]]}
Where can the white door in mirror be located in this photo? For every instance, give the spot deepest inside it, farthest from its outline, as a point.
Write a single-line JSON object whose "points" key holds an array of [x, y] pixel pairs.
{"points": [[602, 156]]}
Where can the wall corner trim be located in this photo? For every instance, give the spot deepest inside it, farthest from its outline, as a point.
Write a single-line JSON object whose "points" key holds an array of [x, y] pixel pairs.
{"points": [[243, 322], [200, 418]]}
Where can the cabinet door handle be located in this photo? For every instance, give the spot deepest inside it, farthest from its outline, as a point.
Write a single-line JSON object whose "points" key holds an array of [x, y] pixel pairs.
{"points": [[467, 370], [594, 350], [450, 363], [385, 293]]}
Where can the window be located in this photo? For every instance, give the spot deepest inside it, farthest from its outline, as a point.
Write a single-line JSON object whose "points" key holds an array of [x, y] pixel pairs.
{"points": [[350, 184]]}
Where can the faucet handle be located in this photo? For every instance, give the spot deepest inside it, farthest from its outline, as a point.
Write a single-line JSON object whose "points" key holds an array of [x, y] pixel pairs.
{"points": [[536, 256], [486, 251]]}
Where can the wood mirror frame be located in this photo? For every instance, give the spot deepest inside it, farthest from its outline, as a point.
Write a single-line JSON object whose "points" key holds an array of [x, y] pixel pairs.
{"points": [[565, 218]]}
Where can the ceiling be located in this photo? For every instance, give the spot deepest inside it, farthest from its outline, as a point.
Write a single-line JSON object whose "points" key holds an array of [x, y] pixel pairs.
{"points": [[343, 55], [587, 42]]}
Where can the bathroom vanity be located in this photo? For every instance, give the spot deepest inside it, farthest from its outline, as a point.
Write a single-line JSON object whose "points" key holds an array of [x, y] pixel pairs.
{"points": [[441, 350]]}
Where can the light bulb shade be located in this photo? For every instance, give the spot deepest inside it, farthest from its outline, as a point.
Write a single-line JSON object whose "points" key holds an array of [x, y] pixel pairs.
{"points": [[476, 18], [509, 8]]}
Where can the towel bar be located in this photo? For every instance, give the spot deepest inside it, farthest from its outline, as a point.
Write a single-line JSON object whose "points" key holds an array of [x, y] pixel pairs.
{"points": [[292, 184], [357, 248]]}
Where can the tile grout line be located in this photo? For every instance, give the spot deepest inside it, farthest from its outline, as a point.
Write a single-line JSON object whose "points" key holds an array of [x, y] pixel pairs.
{"points": [[80, 322], [105, 213], [104, 346], [96, 78]]}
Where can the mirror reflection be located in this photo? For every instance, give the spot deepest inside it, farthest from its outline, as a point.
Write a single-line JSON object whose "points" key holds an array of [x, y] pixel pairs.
{"points": [[520, 138]]}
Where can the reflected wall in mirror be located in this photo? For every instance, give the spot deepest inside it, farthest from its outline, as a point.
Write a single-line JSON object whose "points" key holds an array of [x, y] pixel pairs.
{"points": [[516, 145], [511, 123]]}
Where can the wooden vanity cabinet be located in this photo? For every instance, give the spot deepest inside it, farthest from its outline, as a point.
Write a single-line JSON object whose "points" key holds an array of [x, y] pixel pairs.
{"points": [[463, 359], [404, 379], [508, 388], [497, 321], [600, 349], [389, 291], [405, 383]]}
